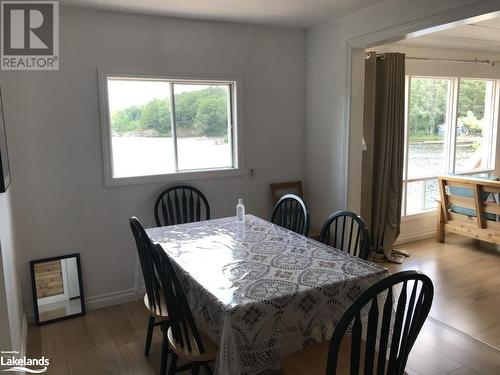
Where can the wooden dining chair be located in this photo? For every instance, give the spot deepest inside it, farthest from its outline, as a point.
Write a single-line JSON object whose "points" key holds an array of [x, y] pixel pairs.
{"points": [[153, 299], [346, 231], [179, 205], [291, 212], [186, 342], [278, 189], [369, 339]]}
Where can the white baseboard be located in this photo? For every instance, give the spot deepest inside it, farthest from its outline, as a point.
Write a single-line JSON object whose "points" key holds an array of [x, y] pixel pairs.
{"points": [[416, 237], [115, 298], [103, 300]]}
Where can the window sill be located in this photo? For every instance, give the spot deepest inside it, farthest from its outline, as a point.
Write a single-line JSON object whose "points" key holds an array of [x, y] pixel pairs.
{"points": [[172, 177], [424, 215]]}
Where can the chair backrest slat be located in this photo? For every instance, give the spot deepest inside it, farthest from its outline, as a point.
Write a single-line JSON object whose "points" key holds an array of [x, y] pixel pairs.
{"points": [[335, 236], [357, 330], [179, 205], [371, 337], [171, 218], [184, 329], [341, 229], [384, 333], [145, 253], [358, 233], [399, 326], [164, 208], [291, 213], [191, 207], [342, 243], [198, 209]]}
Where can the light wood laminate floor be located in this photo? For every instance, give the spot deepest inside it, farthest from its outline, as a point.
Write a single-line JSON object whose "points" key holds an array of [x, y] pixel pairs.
{"points": [[466, 277], [111, 340]]}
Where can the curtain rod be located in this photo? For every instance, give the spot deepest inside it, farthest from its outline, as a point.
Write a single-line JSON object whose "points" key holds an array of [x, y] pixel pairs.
{"points": [[470, 61], [379, 56]]}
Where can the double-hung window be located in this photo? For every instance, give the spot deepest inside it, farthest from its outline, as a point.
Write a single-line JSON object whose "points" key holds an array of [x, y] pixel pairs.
{"points": [[451, 127], [159, 128]]}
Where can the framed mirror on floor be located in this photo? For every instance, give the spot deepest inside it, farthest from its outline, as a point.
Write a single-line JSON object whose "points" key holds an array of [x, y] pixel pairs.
{"points": [[57, 288]]}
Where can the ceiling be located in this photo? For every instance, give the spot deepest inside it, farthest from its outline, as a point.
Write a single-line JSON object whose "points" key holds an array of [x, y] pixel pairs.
{"points": [[479, 36], [295, 13]]}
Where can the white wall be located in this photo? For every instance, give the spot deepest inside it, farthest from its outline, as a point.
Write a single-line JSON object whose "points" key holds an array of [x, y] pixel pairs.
{"points": [[61, 204], [12, 321], [328, 155]]}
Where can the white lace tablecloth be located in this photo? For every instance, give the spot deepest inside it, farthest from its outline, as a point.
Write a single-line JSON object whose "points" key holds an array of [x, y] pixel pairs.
{"points": [[261, 291]]}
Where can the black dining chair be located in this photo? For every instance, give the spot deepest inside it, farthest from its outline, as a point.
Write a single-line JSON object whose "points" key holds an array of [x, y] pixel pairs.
{"points": [[179, 205], [153, 300], [291, 212], [369, 339], [346, 231], [185, 340]]}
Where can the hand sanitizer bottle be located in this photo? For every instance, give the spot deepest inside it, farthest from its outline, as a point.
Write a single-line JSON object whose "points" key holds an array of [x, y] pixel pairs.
{"points": [[240, 210]]}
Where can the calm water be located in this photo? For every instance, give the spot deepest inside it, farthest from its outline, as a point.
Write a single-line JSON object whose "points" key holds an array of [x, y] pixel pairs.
{"points": [[143, 156], [427, 159]]}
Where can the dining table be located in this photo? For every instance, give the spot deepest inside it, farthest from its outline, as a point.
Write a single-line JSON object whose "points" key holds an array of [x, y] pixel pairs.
{"points": [[260, 291]]}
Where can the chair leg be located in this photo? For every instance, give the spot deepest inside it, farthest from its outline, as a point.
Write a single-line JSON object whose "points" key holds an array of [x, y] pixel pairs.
{"points": [[164, 350], [195, 369], [149, 336], [173, 364], [207, 368]]}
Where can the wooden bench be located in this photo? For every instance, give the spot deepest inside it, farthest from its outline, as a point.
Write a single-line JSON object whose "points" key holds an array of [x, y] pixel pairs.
{"points": [[469, 207]]}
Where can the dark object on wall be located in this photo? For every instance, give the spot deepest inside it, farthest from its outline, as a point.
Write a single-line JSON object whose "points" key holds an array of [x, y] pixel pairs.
{"points": [[57, 288], [4, 155]]}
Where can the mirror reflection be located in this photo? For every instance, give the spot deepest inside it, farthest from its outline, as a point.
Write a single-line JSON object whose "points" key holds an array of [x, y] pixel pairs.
{"points": [[57, 288]]}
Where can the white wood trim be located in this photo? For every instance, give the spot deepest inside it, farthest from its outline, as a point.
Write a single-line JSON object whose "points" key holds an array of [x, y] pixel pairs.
{"points": [[475, 12], [346, 145], [64, 272], [51, 299], [421, 216], [406, 142], [237, 125], [496, 123], [115, 298], [478, 11], [416, 237]]}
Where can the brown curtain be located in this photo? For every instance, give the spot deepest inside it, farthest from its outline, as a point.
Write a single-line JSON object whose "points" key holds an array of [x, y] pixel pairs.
{"points": [[383, 130]]}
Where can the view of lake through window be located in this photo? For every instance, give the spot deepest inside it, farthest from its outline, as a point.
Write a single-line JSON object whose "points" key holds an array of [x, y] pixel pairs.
{"points": [[161, 127], [449, 130]]}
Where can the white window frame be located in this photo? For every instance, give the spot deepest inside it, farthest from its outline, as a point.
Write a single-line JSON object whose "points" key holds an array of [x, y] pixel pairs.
{"points": [[236, 94], [450, 139]]}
